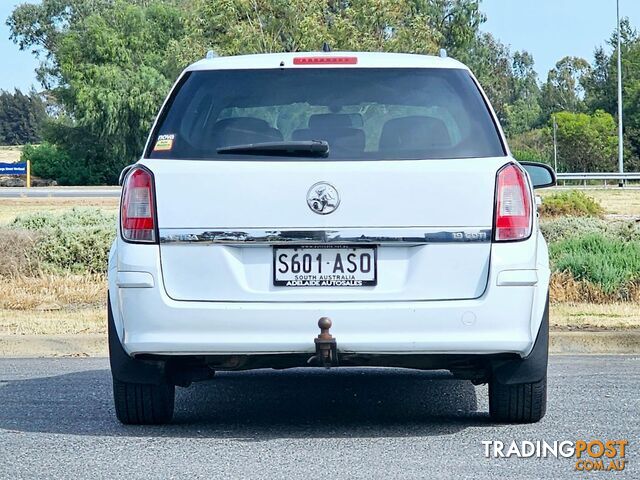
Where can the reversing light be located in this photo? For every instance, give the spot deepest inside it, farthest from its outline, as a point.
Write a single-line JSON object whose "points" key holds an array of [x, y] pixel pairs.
{"points": [[513, 220], [137, 215]]}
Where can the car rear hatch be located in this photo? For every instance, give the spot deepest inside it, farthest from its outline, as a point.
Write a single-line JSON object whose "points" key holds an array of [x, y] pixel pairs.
{"points": [[430, 220]]}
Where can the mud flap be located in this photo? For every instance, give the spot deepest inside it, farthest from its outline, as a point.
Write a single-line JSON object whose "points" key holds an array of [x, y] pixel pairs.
{"points": [[531, 368], [126, 368]]}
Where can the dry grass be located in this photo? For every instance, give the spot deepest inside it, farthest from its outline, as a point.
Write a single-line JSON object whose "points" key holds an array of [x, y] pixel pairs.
{"points": [[15, 246], [53, 305], [62, 322], [52, 292], [618, 201], [10, 154], [615, 201], [563, 288], [10, 208], [588, 315]]}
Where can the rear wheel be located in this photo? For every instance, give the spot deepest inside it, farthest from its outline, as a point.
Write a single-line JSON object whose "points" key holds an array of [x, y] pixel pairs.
{"points": [[518, 389], [518, 403], [143, 404]]}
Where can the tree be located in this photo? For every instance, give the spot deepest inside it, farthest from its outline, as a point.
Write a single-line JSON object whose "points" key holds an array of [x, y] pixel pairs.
{"points": [[600, 91], [563, 89], [459, 22], [600, 85], [256, 26], [40, 28], [109, 68], [21, 117], [586, 143], [525, 78], [533, 145], [509, 80], [490, 60], [601, 88], [521, 116], [523, 111]]}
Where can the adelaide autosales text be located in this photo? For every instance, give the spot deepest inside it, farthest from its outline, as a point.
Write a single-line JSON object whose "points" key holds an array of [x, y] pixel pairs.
{"points": [[590, 455]]}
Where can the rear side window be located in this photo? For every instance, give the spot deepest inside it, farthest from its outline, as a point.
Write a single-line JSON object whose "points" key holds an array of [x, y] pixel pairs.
{"points": [[372, 114]]}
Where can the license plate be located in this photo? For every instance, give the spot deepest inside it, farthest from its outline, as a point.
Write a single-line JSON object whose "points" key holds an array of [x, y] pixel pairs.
{"points": [[319, 266]]}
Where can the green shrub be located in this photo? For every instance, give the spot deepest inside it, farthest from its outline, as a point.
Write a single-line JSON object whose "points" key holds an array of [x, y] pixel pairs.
{"points": [[75, 250], [560, 228], [76, 217], [609, 262], [49, 161], [625, 230], [77, 165], [572, 202], [529, 155], [76, 241]]}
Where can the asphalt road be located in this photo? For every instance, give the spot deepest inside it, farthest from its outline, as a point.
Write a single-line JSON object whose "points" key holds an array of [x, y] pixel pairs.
{"points": [[57, 421], [59, 192]]}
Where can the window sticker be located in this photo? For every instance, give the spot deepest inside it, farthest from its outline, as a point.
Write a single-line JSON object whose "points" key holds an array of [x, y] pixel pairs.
{"points": [[164, 143]]}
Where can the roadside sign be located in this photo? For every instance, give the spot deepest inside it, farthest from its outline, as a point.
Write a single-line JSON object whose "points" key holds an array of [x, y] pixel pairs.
{"points": [[17, 169], [13, 168]]}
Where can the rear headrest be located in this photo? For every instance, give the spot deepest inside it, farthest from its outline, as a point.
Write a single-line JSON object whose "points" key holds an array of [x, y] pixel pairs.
{"points": [[245, 123], [335, 120], [342, 141], [414, 133], [243, 130]]}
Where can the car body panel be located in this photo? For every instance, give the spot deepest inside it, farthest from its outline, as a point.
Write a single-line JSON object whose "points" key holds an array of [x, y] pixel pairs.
{"points": [[446, 195], [272, 194], [364, 60]]}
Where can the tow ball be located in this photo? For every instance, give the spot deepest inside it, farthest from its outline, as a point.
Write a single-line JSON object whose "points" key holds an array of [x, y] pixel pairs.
{"points": [[326, 346]]}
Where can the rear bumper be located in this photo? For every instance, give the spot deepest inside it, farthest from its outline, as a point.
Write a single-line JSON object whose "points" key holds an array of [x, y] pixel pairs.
{"points": [[500, 321], [505, 319]]}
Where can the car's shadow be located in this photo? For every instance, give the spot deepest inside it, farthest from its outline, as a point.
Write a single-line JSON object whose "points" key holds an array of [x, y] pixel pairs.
{"points": [[255, 406]]}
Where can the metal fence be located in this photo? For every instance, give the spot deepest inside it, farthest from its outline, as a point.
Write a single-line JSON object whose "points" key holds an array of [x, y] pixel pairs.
{"points": [[586, 179], [599, 176]]}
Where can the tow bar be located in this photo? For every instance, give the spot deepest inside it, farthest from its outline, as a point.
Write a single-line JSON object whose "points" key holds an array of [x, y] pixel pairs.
{"points": [[326, 346]]}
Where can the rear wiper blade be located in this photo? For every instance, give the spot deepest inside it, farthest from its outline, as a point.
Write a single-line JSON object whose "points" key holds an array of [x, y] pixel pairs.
{"points": [[304, 148]]}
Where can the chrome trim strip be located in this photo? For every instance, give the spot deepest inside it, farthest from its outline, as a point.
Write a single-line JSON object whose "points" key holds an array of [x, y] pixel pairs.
{"points": [[377, 236]]}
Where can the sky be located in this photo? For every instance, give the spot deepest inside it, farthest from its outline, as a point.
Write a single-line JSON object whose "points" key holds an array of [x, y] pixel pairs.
{"points": [[16, 67], [552, 29], [548, 29]]}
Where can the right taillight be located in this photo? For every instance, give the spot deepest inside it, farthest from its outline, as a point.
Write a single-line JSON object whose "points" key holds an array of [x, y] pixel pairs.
{"points": [[513, 205], [137, 215]]}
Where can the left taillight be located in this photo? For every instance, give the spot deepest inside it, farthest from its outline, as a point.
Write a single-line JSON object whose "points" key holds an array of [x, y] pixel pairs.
{"points": [[513, 219], [137, 214]]}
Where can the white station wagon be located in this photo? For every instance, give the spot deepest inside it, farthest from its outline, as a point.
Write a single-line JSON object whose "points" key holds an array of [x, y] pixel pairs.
{"points": [[328, 209]]}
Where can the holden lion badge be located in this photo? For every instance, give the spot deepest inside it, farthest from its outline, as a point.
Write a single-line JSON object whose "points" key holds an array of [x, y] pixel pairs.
{"points": [[323, 198]]}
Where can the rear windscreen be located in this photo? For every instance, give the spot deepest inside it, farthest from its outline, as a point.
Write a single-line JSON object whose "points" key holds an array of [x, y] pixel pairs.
{"points": [[368, 114]]}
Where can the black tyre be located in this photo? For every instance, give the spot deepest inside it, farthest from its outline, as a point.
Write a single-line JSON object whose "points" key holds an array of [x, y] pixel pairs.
{"points": [[143, 404], [518, 403]]}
